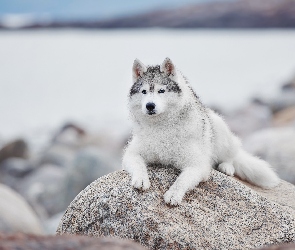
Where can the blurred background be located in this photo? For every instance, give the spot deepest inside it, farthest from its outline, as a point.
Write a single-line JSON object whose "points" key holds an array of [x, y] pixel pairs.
{"points": [[65, 72]]}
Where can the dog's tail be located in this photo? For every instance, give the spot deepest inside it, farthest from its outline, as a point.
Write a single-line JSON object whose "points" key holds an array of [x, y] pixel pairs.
{"points": [[255, 170]]}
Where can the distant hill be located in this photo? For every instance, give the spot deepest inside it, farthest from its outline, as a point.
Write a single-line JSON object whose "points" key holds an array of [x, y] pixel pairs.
{"points": [[236, 14], [85, 9], [220, 14]]}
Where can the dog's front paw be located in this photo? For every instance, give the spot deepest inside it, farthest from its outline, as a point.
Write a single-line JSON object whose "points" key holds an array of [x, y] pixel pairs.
{"points": [[173, 196], [141, 181], [226, 168]]}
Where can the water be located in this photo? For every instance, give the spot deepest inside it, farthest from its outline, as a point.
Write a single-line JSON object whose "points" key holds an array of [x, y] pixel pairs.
{"points": [[49, 77]]}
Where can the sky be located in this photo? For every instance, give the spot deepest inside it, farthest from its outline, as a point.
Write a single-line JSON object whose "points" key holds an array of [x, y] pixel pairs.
{"points": [[85, 9]]}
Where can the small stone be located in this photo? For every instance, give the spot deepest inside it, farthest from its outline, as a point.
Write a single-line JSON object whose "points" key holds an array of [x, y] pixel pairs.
{"points": [[71, 135], [17, 167], [17, 148], [285, 117], [13, 170], [16, 215]]}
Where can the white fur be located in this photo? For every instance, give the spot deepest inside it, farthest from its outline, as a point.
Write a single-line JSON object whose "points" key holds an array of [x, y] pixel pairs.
{"points": [[184, 134]]}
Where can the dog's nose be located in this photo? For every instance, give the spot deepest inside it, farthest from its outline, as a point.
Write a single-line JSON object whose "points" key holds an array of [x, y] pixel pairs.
{"points": [[150, 106]]}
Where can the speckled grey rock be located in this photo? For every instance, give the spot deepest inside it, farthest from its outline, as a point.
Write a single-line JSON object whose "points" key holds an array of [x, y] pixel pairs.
{"points": [[221, 213]]}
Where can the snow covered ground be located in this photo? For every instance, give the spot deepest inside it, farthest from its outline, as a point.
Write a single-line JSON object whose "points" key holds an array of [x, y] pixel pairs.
{"points": [[50, 77]]}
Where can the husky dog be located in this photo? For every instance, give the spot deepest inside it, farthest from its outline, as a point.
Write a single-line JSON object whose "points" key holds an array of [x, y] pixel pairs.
{"points": [[172, 127]]}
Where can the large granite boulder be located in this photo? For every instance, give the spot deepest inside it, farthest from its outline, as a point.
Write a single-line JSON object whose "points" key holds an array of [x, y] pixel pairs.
{"points": [[15, 213], [222, 213]]}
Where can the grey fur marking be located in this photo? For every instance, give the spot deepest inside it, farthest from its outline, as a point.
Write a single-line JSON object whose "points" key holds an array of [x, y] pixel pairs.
{"points": [[153, 76]]}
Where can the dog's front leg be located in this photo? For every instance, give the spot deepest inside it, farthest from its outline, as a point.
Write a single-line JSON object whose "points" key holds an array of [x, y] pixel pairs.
{"points": [[190, 177], [134, 164]]}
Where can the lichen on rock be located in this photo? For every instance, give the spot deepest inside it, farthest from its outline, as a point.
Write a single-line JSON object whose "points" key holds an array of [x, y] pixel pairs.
{"points": [[221, 213]]}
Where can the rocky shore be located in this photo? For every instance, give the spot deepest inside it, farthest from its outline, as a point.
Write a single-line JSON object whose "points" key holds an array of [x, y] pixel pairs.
{"points": [[50, 180], [40, 188]]}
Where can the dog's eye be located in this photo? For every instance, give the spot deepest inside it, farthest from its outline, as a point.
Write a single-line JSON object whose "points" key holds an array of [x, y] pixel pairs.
{"points": [[144, 92], [161, 91]]}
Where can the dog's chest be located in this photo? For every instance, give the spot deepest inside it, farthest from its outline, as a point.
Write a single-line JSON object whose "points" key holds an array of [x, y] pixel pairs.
{"points": [[163, 145]]}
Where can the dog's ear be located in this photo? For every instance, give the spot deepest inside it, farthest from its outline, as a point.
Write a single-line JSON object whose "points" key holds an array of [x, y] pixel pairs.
{"points": [[138, 69], [168, 67]]}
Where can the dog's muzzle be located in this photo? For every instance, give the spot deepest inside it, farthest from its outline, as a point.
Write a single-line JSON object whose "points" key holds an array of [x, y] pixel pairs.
{"points": [[150, 106]]}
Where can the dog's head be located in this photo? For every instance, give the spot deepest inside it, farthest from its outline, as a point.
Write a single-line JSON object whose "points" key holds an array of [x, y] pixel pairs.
{"points": [[155, 89]]}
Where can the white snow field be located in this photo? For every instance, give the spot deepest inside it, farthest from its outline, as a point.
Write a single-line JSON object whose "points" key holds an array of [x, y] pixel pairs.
{"points": [[52, 76]]}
